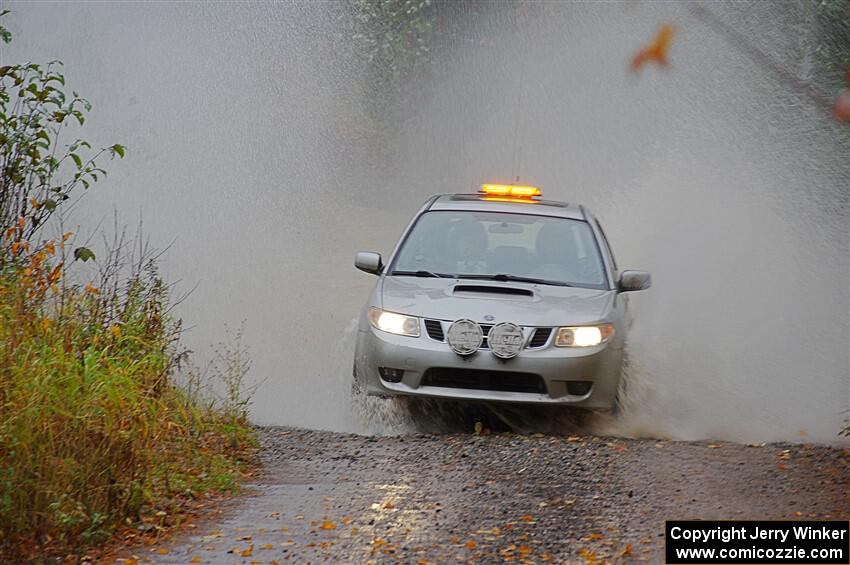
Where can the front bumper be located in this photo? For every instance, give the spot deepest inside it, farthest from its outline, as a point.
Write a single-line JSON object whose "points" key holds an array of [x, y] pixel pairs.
{"points": [[557, 367]]}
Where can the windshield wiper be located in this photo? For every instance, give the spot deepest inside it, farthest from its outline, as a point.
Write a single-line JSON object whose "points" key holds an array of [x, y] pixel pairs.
{"points": [[513, 278], [420, 273]]}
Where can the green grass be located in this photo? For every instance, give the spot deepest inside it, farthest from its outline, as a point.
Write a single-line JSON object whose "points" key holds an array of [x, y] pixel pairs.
{"points": [[93, 432]]}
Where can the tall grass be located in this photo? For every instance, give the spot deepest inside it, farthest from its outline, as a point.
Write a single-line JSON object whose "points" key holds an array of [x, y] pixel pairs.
{"points": [[92, 429]]}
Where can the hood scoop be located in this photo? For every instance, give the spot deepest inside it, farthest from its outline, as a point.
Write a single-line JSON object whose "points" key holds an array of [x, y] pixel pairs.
{"points": [[489, 289]]}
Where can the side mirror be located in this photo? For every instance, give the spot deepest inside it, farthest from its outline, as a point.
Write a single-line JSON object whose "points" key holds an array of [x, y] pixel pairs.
{"points": [[634, 280], [368, 262]]}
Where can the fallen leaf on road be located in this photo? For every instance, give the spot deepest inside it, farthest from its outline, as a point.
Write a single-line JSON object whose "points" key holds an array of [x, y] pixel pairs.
{"points": [[267, 546], [248, 551], [626, 550], [162, 551], [526, 518], [328, 525], [471, 544], [196, 559]]}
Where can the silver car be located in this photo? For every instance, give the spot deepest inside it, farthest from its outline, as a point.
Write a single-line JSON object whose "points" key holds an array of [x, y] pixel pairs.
{"points": [[497, 296]]}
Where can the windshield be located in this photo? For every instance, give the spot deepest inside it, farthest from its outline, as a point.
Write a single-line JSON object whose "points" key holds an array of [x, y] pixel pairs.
{"points": [[501, 246]]}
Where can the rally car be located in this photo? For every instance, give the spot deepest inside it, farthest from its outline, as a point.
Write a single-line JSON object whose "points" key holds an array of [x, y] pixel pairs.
{"points": [[497, 296]]}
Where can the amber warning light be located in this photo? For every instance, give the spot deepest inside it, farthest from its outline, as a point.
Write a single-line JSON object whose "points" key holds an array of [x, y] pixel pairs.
{"points": [[511, 191]]}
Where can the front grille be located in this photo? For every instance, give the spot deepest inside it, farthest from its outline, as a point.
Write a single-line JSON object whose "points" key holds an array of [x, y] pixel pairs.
{"points": [[435, 330], [540, 337], [485, 329], [473, 379]]}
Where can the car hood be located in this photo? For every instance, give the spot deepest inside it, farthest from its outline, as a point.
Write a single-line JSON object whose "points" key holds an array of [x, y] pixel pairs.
{"points": [[521, 303]]}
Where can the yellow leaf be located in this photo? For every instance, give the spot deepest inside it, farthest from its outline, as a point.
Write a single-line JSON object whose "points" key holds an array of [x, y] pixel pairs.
{"points": [[523, 551], [595, 536], [328, 525], [196, 559], [162, 551], [248, 551], [267, 546]]}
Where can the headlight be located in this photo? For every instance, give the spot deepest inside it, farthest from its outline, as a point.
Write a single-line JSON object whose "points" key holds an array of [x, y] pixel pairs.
{"points": [[393, 323], [583, 336]]}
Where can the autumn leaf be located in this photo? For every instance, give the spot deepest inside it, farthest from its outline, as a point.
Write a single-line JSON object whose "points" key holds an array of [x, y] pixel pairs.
{"points": [[267, 546], [196, 559], [626, 550], [841, 106], [388, 505], [657, 50], [526, 518], [248, 551], [162, 551], [471, 544], [328, 525]]}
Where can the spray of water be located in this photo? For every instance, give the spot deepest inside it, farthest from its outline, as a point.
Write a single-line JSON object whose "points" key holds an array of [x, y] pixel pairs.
{"points": [[249, 143]]}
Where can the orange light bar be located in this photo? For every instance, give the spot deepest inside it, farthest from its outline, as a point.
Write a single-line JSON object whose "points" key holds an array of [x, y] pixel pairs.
{"points": [[511, 190]]}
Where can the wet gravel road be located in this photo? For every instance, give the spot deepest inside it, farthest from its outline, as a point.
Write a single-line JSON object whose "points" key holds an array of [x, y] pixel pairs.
{"points": [[336, 498]]}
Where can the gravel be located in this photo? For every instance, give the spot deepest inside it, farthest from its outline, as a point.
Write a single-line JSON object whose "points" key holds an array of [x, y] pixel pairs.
{"points": [[338, 498]]}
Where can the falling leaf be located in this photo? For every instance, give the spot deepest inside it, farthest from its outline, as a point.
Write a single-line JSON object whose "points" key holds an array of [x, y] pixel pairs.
{"points": [[626, 550], [328, 525], [657, 50]]}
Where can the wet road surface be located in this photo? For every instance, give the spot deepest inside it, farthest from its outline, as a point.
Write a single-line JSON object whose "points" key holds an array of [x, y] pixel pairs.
{"points": [[337, 498]]}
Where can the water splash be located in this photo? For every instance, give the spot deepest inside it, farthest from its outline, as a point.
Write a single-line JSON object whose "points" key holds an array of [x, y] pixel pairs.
{"points": [[249, 141]]}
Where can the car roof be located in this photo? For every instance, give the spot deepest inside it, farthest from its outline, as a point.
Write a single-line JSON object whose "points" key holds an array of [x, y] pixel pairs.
{"points": [[480, 202]]}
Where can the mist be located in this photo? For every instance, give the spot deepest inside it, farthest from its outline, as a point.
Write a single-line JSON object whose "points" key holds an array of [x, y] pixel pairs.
{"points": [[250, 153]]}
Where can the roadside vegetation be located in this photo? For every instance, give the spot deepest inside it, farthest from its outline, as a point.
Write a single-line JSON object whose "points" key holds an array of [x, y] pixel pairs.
{"points": [[95, 433]]}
